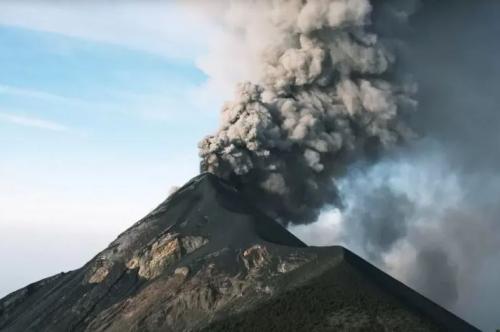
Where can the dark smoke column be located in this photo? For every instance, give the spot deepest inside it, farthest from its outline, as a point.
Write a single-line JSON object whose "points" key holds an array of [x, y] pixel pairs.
{"points": [[322, 98]]}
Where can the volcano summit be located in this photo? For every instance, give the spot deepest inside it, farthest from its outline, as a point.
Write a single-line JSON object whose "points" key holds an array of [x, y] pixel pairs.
{"points": [[207, 260]]}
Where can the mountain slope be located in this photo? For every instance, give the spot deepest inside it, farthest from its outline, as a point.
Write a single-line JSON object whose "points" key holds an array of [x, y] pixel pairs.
{"points": [[206, 259]]}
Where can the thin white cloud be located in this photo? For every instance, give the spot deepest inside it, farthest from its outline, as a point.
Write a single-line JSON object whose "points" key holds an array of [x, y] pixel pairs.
{"points": [[172, 29], [36, 94], [32, 122], [160, 27]]}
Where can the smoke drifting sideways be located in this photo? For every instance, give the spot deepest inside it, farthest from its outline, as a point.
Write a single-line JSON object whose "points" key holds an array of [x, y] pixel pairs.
{"points": [[429, 212], [321, 92]]}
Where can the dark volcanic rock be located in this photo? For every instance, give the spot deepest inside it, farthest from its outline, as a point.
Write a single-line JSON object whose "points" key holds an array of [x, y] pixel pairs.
{"points": [[207, 260]]}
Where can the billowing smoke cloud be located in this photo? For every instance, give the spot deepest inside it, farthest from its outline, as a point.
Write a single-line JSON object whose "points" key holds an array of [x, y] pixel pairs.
{"points": [[379, 215], [425, 218], [436, 274], [322, 94], [328, 93]]}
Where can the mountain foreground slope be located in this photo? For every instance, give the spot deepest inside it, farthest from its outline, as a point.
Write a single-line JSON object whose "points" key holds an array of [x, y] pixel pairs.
{"points": [[207, 260]]}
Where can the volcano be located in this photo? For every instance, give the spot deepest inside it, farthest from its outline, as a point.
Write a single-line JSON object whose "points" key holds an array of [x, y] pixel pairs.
{"points": [[207, 260]]}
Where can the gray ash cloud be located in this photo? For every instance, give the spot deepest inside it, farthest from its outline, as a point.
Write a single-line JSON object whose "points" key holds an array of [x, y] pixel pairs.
{"points": [[324, 94]]}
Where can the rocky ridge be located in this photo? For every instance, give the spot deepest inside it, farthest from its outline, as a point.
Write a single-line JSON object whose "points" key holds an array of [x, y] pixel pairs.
{"points": [[206, 259]]}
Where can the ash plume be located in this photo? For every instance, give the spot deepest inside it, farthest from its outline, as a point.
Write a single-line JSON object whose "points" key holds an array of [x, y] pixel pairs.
{"points": [[322, 94], [326, 92]]}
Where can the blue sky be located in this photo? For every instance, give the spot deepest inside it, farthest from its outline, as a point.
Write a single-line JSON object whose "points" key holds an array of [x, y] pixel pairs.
{"points": [[95, 128]]}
